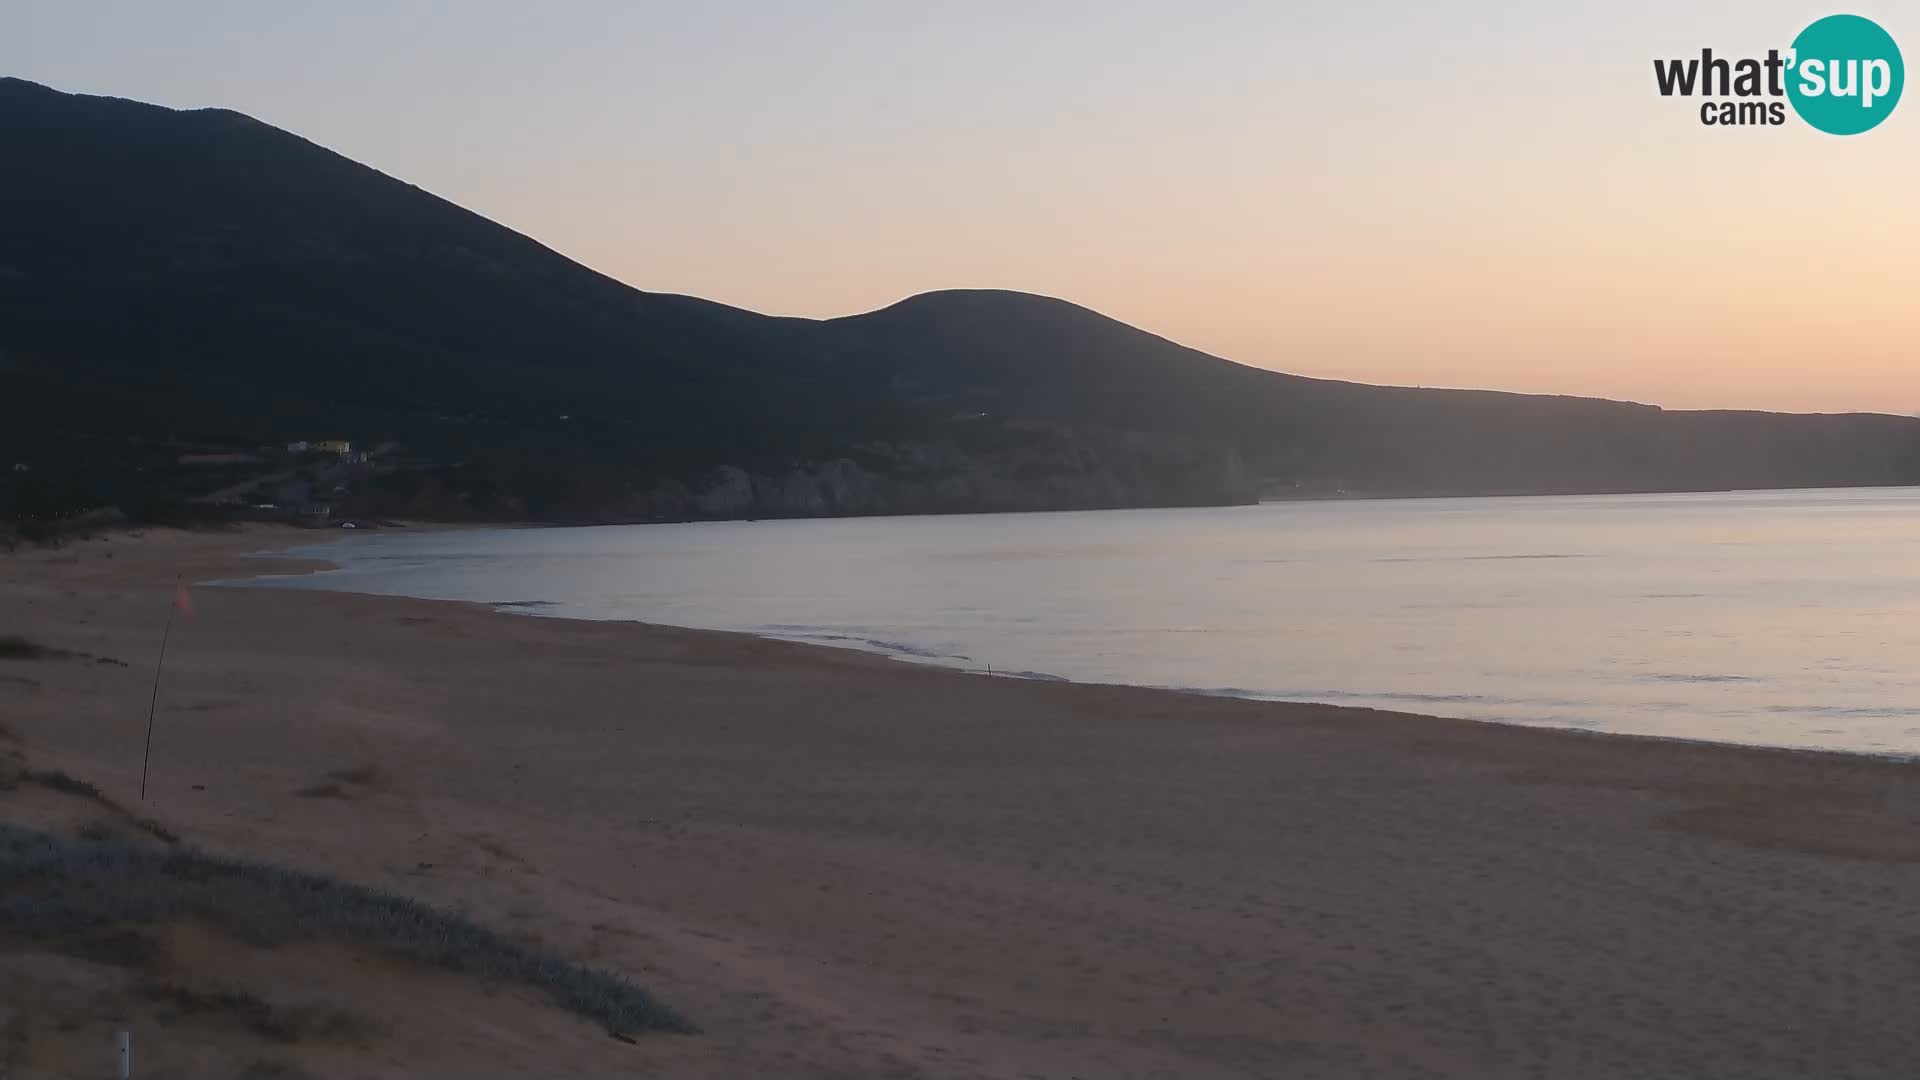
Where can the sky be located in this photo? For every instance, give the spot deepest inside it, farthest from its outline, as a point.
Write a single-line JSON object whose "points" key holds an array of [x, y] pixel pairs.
{"points": [[1480, 194]]}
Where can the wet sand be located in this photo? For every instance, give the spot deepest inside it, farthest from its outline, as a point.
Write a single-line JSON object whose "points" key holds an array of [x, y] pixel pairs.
{"points": [[843, 866]]}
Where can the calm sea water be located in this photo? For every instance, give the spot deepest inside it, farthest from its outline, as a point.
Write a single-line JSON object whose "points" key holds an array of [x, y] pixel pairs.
{"points": [[1781, 618]]}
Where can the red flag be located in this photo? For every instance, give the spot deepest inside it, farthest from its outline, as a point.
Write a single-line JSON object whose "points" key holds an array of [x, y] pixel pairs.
{"points": [[182, 603]]}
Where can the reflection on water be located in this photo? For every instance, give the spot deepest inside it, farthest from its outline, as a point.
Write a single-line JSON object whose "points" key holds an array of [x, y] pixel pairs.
{"points": [[1784, 618]]}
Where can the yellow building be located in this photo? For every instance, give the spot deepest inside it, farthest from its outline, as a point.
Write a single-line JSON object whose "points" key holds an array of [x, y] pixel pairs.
{"points": [[334, 446]]}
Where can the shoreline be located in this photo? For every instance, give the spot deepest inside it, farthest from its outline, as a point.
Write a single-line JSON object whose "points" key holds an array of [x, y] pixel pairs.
{"points": [[839, 865], [912, 660], [311, 565]]}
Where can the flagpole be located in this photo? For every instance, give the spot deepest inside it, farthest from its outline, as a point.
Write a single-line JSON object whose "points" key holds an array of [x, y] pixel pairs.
{"points": [[173, 608]]}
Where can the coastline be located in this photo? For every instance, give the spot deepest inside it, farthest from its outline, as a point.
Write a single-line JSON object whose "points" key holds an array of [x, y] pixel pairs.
{"points": [[910, 655], [314, 564], [842, 865]]}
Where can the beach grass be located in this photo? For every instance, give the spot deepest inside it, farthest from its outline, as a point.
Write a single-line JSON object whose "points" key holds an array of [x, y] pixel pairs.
{"points": [[55, 780], [16, 647], [52, 886], [12, 775], [256, 1014]]}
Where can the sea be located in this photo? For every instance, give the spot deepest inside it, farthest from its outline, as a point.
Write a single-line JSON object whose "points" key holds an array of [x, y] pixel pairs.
{"points": [[1780, 618]]}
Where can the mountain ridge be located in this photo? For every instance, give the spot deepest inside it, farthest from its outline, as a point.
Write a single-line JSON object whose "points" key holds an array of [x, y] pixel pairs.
{"points": [[200, 278]]}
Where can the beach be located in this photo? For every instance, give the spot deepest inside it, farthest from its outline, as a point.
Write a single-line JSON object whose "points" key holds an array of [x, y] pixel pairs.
{"points": [[839, 865]]}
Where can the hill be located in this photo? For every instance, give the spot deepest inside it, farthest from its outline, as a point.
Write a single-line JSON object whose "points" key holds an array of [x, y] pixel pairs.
{"points": [[1019, 353], [198, 284]]}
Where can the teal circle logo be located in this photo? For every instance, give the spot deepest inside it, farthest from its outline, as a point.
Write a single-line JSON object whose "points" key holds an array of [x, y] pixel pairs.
{"points": [[1845, 75]]}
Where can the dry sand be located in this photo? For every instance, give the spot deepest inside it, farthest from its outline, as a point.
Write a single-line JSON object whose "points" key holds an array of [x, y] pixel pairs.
{"points": [[841, 866]]}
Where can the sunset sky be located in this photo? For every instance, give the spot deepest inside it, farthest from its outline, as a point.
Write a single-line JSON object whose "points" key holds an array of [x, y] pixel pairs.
{"points": [[1487, 195]]}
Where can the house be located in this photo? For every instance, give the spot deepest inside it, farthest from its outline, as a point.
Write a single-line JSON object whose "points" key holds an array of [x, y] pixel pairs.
{"points": [[334, 446], [300, 447]]}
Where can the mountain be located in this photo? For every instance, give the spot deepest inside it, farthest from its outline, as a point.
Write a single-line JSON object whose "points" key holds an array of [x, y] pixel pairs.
{"points": [[1021, 353], [200, 284]]}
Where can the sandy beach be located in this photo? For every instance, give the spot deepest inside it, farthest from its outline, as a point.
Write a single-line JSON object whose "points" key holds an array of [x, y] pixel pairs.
{"points": [[842, 866]]}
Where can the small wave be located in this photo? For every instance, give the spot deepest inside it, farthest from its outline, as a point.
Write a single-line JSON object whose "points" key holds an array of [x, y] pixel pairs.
{"points": [[524, 604], [908, 650], [1334, 697], [882, 645], [1475, 558], [1036, 676], [1444, 699], [1683, 677], [1221, 691], [1858, 712], [1449, 605]]}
